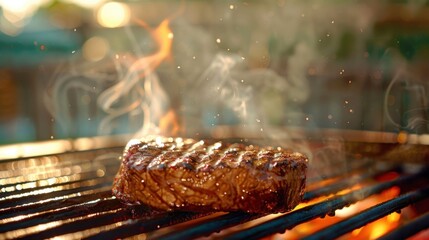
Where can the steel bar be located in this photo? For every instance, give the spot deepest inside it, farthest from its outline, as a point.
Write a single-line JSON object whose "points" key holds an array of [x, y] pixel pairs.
{"points": [[211, 226], [39, 207], [85, 178], [99, 220], [288, 221], [343, 184], [136, 227], [235, 218], [51, 195], [64, 213], [370, 215]]}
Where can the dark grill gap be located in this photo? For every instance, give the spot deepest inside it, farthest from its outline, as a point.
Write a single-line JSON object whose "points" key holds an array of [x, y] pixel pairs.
{"points": [[69, 194]]}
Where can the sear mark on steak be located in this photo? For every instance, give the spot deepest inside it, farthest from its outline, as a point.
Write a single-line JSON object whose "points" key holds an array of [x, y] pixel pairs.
{"points": [[189, 175]]}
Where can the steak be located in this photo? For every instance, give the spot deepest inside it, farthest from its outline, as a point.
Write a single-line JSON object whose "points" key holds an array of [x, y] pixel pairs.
{"points": [[189, 175]]}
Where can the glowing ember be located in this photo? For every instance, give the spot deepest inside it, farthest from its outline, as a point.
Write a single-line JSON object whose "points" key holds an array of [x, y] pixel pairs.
{"points": [[371, 231]]}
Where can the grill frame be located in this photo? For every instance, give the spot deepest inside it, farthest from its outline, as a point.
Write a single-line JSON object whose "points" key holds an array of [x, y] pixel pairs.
{"points": [[93, 206]]}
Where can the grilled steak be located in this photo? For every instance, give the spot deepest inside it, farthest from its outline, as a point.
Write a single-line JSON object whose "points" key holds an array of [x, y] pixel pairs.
{"points": [[190, 175]]}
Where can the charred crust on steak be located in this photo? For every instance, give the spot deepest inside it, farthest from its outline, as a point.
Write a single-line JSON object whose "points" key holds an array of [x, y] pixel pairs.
{"points": [[185, 174]]}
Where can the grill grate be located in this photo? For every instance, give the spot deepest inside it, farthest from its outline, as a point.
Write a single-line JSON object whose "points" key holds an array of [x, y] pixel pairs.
{"points": [[69, 195]]}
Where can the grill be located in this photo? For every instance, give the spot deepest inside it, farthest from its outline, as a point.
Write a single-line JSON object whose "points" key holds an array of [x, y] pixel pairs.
{"points": [[68, 195]]}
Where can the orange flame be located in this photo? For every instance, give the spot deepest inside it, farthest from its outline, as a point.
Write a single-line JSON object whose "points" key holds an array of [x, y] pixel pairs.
{"points": [[148, 97], [370, 231], [169, 124], [163, 37]]}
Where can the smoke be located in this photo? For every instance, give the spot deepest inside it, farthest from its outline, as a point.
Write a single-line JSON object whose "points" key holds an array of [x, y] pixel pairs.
{"points": [[256, 69], [129, 93], [138, 94], [405, 102], [130, 97], [70, 97], [258, 66], [221, 83]]}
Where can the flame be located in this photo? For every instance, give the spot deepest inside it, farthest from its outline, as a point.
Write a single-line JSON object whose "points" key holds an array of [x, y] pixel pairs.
{"points": [[370, 231], [163, 37], [142, 85], [402, 137], [169, 124], [383, 225]]}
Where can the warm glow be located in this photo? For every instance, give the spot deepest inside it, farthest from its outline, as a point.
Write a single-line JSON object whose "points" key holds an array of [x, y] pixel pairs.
{"points": [[151, 100], [15, 18], [95, 49], [378, 229], [83, 144], [45, 148], [402, 137], [7, 152], [169, 124], [347, 211], [356, 231], [113, 14], [34, 149], [86, 3], [393, 217], [370, 231], [15, 12], [20, 7], [15, 6], [423, 139], [163, 37], [41, 227]]}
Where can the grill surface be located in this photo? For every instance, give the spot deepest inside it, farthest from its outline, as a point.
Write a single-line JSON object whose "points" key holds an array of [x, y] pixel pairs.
{"points": [[69, 195]]}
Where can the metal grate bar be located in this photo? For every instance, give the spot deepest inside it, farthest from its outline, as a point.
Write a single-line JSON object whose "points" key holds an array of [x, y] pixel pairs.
{"points": [[80, 204], [83, 209], [143, 226], [408, 230], [235, 218], [13, 202], [51, 165], [95, 221], [44, 182], [87, 153], [52, 191], [52, 205], [211, 226], [29, 190], [370, 215], [41, 168], [288, 221], [344, 184]]}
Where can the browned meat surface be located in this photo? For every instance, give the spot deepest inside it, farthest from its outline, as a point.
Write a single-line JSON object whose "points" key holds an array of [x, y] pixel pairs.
{"points": [[190, 175]]}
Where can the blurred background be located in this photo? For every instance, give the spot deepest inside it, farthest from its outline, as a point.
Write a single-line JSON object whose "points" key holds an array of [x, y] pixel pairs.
{"points": [[358, 65]]}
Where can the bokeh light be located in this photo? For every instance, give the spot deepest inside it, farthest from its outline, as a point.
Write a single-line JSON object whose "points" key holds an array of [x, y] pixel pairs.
{"points": [[113, 14], [95, 49], [14, 14], [86, 3]]}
